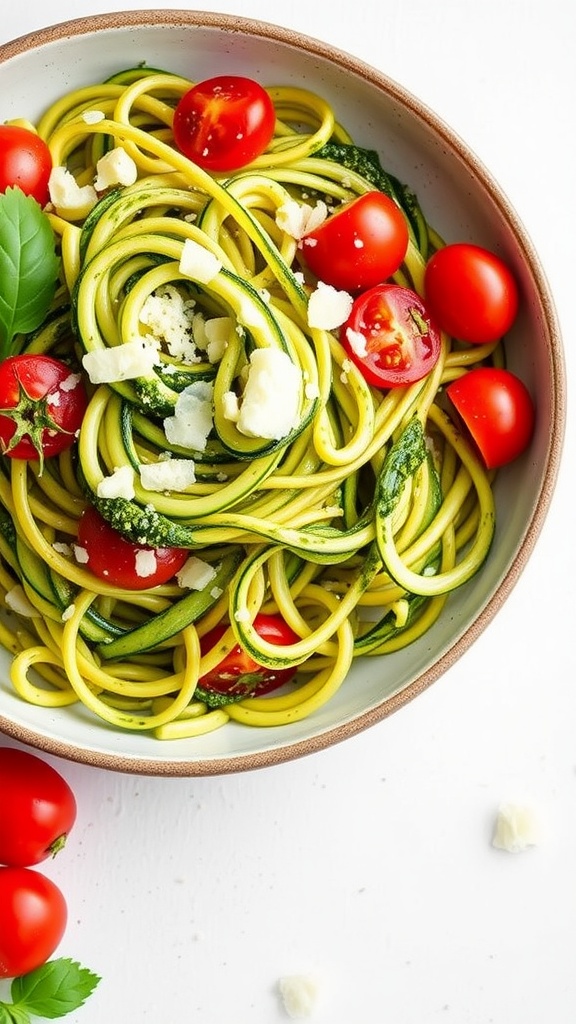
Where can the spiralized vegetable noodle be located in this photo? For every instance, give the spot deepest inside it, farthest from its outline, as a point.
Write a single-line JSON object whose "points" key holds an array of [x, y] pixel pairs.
{"points": [[354, 527]]}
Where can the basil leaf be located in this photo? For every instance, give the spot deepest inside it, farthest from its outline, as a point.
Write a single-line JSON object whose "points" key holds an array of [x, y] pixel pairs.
{"points": [[55, 989], [13, 1014], [28, 266]]}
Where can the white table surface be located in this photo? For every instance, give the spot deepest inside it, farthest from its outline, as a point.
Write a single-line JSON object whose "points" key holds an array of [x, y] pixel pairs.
{"points": [[369, 866]]}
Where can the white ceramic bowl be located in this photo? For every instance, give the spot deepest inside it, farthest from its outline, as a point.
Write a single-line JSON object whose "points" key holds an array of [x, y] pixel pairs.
{"points": [[463, 201]]}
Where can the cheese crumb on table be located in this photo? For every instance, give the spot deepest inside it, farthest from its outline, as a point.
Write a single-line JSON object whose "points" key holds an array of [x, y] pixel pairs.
{"points": [[298, 993], [515, 829]]}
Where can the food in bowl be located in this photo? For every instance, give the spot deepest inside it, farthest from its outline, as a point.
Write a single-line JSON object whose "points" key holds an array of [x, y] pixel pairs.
{"points": [[268, 481]]}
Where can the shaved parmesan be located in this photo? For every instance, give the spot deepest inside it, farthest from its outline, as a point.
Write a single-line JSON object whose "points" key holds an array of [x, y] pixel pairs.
{"points": [[122, 362], [328, 308], [145, 563], [168, 475], [297, 219], [270, 405], [70, 200], [198, 263], [192, 421], [195, 574], [115, 168], [120, 484]]}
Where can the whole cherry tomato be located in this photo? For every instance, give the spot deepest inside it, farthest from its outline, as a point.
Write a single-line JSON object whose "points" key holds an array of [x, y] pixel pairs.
{"points": [[358, 246], [471, 293], [25, 162], [42, 405], [497, 410], [37, 809], [33, 917], [224, 123], [121, 562]]}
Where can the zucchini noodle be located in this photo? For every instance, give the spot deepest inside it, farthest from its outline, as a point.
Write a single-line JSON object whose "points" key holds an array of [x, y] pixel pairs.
{"points": [[354, 526]]}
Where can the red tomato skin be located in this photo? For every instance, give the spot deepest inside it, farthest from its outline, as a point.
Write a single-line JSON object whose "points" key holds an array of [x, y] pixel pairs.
{"points": [[471, 293], [113, 558], [33, 918], [497, 410], [25, 162], [238, 673], [37, 809], [40, 376], [224, 123], [358, 246], [402, 342]]}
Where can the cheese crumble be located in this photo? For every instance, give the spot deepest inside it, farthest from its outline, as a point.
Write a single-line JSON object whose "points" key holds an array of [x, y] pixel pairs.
{"points": [[328, 308]]}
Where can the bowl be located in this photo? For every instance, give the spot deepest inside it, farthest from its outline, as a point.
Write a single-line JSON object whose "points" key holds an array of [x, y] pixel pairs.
{"points": [[463, 202]]}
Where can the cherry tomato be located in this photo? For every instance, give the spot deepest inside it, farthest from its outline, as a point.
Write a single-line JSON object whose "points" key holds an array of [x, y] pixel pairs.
{"points": [[224, 123], [25, 162], [33, 918], [497, 410], [471, 293], [119, 561], [42, 405], [391, 336], [37, 809], [238, 675], [358, 246]]}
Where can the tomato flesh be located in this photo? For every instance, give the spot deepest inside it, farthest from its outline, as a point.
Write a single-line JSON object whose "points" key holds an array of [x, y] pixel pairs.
{"points": [[117, 560], [33, 917], [471, 293], [360, 245], [238, 675], [42, 405], [25, 162], [224, 123], [37, 809], [497, 410], [390, 336]]}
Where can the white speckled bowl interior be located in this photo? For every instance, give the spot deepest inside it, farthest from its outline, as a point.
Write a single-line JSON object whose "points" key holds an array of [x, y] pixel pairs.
{"points": [[462, 200]]}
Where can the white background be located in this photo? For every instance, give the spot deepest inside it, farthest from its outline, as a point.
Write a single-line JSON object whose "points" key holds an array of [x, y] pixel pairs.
{"points": [[369, 866]]}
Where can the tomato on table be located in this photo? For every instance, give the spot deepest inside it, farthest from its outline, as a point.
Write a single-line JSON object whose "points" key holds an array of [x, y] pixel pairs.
{"points": [[42, 405], [33, 917], [390, 336], [238, 675], [358, 246], [122, 563], [37, 809], [224, 123], [25, 162], [497, 410], [471, 293]]}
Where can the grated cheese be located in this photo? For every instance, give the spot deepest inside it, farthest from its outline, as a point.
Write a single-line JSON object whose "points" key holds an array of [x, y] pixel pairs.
{"points": [[145, 563], [297, 219]]}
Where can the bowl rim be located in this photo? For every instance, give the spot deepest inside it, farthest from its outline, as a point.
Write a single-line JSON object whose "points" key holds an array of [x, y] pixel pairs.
{"points": [[186, 766]]}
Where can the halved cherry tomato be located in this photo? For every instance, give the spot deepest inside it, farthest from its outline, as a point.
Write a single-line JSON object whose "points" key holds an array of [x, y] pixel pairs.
{"points": [[391, 336], [25, 162], [224, 122], [33, 916], [497, 410], [42, 405], [471, 293], [37, 809], [118, 561], [358, 246], [238, 675]]}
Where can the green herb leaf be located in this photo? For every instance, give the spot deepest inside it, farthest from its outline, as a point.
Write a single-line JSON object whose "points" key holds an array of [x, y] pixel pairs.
{"points": [[53, 990], [13, 1014], [28, 266]]}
